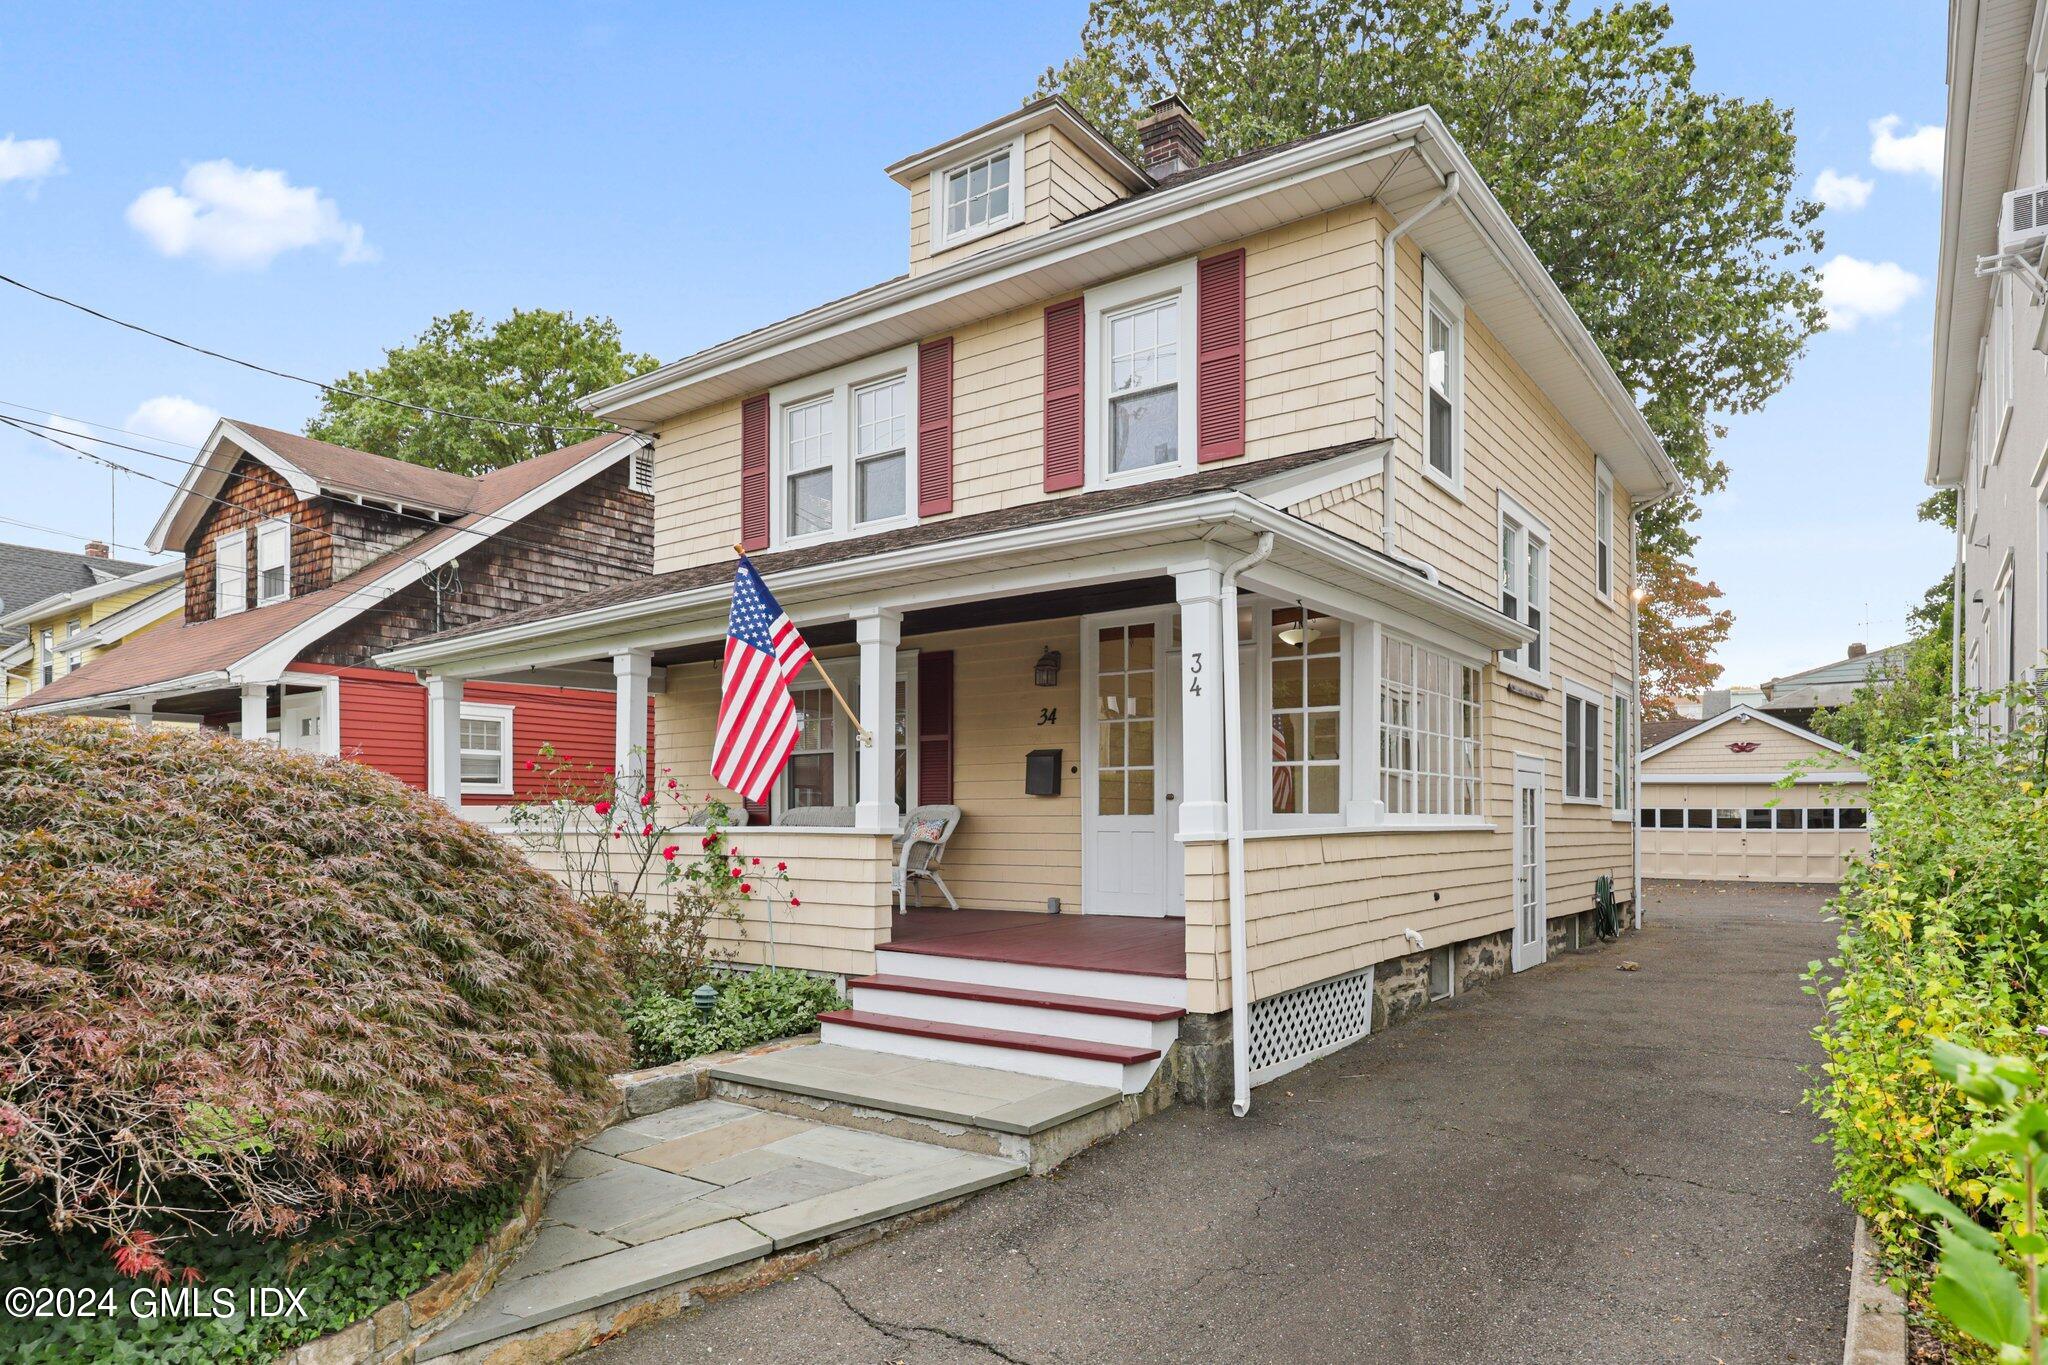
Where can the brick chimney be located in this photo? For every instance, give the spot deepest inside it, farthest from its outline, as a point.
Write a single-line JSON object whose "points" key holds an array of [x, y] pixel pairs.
{"points": [[1171, 139], [1857, 651], [96, 549]]}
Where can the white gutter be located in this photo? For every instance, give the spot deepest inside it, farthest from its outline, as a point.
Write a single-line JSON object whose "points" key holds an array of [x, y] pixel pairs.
{"points": [[1233, 846], [1390, 420]]}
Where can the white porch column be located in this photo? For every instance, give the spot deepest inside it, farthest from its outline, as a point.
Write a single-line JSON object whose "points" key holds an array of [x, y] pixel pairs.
{"points": [[144, 713], [1204, 806], [630, 671], [256, 712], [878, 629], [444, 739]]}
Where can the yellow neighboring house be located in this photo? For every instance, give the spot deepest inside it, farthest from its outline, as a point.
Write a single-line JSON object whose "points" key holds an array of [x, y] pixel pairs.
{"points": [[65, 630]]}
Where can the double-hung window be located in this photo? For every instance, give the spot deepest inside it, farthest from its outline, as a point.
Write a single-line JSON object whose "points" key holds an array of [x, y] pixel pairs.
{"points": [[1443, 371], [486, 749], [49, 656], [230, 573], [824, 768], [1305, 679], [1525, 586], [1624, 746], [1581, 745], [845, 450], [1144, 386], [1603, 534], [273, 562], [977, 197], [1429, 732]]}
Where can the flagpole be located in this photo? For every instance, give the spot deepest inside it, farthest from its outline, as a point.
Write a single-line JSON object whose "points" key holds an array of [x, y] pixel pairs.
{"points": [[866, 738]]}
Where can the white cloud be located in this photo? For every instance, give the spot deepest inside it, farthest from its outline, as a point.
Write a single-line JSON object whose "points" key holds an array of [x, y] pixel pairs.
{"points": [[237, 217], [1856, 290], [29, 159], [1839, 191], [1917, 153], [174, 419]]}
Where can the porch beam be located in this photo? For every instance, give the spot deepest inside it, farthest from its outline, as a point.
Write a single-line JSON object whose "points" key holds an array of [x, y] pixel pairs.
{"points": [[631, 671], [879, 630], [1203, 599], [444, 739]]}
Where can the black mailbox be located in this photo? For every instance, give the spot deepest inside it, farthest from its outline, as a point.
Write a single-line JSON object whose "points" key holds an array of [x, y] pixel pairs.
{"points": [[1042, 772]]}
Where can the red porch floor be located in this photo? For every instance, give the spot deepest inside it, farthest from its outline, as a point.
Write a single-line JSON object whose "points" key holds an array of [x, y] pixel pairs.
{"points": [[1102, 943]]}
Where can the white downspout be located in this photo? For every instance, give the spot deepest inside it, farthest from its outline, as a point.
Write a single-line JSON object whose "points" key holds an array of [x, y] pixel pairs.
{"points": [[1635, 758], [1955, 647], [1389, 410], [1233, 847]]}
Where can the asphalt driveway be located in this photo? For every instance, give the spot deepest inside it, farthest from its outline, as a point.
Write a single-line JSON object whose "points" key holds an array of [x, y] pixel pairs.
{"points": [[1576, 1164]]}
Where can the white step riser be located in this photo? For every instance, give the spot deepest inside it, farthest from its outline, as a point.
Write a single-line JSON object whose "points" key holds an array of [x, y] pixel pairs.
{"points": [[945, 1009], [1143, 990], [1129, 1079]]}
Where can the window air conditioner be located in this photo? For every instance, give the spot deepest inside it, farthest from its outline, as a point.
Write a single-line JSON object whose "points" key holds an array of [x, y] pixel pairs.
{"points": [[2023, 218]]}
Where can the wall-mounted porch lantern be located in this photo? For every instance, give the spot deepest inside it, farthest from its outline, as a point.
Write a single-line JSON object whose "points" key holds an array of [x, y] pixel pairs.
{"points": [[1046, 672]]}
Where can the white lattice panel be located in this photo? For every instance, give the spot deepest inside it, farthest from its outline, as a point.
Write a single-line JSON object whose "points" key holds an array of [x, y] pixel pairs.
{"points": [[1292, 1029]]}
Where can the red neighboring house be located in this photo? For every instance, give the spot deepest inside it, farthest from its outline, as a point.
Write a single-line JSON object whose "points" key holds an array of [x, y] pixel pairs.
{"points": [[303, 560]]}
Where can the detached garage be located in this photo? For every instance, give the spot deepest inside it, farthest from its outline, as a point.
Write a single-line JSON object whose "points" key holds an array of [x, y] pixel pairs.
{"points": [[1710, 810]]}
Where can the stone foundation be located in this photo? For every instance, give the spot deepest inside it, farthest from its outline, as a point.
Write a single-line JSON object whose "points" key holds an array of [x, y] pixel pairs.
{"points": [[1480, 960], [1198, 1066]]}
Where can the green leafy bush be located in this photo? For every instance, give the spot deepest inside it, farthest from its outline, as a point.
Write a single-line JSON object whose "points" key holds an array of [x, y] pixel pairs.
{"points": [[249, 990], [755, 1007], [343, 1279], [1945, 937]]}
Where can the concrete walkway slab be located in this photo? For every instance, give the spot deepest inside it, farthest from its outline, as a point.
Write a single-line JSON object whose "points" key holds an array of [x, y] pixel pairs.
{"points": [[973, 1096]]}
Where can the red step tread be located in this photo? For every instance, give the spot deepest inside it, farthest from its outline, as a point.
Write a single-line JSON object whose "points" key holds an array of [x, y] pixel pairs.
{"points": [[991, 1037], [1005, 995]]}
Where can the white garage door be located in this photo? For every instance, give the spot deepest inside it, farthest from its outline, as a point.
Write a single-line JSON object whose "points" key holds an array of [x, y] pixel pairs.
{"points": [[1703, 833]]}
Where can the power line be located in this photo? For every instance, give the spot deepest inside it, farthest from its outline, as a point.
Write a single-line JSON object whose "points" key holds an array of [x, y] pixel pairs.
{"points": [[302, 379], [74, 535]]}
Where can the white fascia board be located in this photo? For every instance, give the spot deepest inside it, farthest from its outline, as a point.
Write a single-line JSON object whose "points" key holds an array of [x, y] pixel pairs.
{"points": [[57, 603], [174, 523], [1828, 777], [1297, 486], [266, 663], [100, 701], [1742, 713], [135, 617], [577, 635]]}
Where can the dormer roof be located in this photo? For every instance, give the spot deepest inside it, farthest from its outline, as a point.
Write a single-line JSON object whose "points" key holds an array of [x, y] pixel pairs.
{"points": [[1048, 111]]}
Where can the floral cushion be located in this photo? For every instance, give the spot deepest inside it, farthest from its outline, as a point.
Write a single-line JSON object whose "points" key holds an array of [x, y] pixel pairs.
{"points": [[927, 831]]}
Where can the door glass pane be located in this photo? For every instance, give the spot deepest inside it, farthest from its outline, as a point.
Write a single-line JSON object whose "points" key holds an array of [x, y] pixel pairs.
{"points": [[1126, 737], [1110, 788], [1138, 792]]}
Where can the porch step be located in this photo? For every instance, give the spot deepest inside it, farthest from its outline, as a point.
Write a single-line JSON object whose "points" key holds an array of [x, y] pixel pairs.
{"points": [[1093, 1018], [1035, 1054], [940, 963]]}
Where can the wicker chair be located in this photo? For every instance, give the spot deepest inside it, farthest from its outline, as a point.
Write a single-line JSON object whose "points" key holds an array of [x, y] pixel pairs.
{"points": [[920, 848]]}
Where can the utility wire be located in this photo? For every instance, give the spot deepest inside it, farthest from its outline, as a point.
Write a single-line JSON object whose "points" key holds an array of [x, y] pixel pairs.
{"points": [[302, 379], [73, 535]]}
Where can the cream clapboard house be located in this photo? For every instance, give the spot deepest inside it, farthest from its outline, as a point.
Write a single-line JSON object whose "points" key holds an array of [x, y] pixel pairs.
{"points": [[1244, 547]]}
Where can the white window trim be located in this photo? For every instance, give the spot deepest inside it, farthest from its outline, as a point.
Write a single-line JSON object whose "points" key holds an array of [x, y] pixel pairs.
{"points": [[1586, 696], [1621, 766], [941, 240], [1603, 478], [267, 531], [845, 674], [837, 387], [1261, 815], [1437, 290], [239, 602], [1106, 301], [1370, 738], [473, 710], [1507, 508]]}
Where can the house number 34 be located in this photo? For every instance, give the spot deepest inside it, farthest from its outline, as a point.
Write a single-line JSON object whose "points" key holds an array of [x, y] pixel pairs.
{"points": [[1195, 673]]}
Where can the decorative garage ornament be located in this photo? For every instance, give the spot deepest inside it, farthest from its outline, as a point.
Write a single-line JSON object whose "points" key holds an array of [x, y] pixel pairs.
{"points": [[1742, 746]]}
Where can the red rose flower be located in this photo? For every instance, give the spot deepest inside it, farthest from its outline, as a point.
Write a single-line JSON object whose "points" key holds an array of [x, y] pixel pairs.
{"points": [[603, 808], [647, 798], [707, 841], [671, 784], [746, 889], [757, 862], [782, 867], [794, 902], [646, 830], [531, 765], [669, 853]]}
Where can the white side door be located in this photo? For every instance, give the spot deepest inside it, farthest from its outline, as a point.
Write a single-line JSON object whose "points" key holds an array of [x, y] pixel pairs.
{"points": [[1532, 925], [1130, 724], [302, 722]]}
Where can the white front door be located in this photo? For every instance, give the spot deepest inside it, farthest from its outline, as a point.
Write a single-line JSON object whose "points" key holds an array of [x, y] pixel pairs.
{"points": [[300, 718], [1130, 737], [1532, 925]]}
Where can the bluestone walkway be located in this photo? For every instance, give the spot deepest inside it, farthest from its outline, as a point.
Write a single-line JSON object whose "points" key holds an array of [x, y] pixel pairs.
{"points": [[1576, 1164]]}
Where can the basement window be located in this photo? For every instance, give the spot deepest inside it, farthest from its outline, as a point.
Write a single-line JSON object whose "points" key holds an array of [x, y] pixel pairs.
{"points": [[1442, 980]]}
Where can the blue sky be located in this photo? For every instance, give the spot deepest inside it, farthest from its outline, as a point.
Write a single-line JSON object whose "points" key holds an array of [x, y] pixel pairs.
{"points": [[695, 174]]}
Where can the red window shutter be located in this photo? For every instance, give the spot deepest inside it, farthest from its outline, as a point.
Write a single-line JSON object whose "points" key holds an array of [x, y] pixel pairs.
{"points": [[1219, 357], [935, 728], [754, 473], [935, 427], [1064, 351]]}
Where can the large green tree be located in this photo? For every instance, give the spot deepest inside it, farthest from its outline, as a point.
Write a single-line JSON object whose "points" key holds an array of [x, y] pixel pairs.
{"points": [[1666, 214], [522, 376]]}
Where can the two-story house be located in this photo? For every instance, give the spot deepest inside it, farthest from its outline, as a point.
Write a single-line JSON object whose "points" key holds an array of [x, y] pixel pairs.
{"points": [[1988, 426], [1243, 547], [59, 608], [303, 560]]}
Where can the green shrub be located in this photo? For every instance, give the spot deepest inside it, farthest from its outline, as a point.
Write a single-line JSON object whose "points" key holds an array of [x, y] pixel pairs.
{"points": [[249, 990], [343, 1279], [755, 1007], [1945, 937]]}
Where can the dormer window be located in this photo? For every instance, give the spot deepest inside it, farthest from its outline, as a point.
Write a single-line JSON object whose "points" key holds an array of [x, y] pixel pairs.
{"points": [[230, 573], [273, 562], [977, 197]]}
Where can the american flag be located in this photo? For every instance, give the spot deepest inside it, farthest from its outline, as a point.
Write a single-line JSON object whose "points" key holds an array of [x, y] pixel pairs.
{"points": [[757, 721]]}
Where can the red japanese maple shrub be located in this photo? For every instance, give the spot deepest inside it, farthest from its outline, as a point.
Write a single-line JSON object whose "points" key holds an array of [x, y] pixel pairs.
{"points": [[249, 989]]}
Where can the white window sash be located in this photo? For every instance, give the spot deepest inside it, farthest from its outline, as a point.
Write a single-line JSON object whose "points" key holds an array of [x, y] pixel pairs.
{"points": [[836, 390], [845, 749], [273, 553], [1263, 814], [501, 785], [1100, 307], [230, 573], [1440, 296], [1430, 723], [942, 234], [1582, 760], [1522, 545]]}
